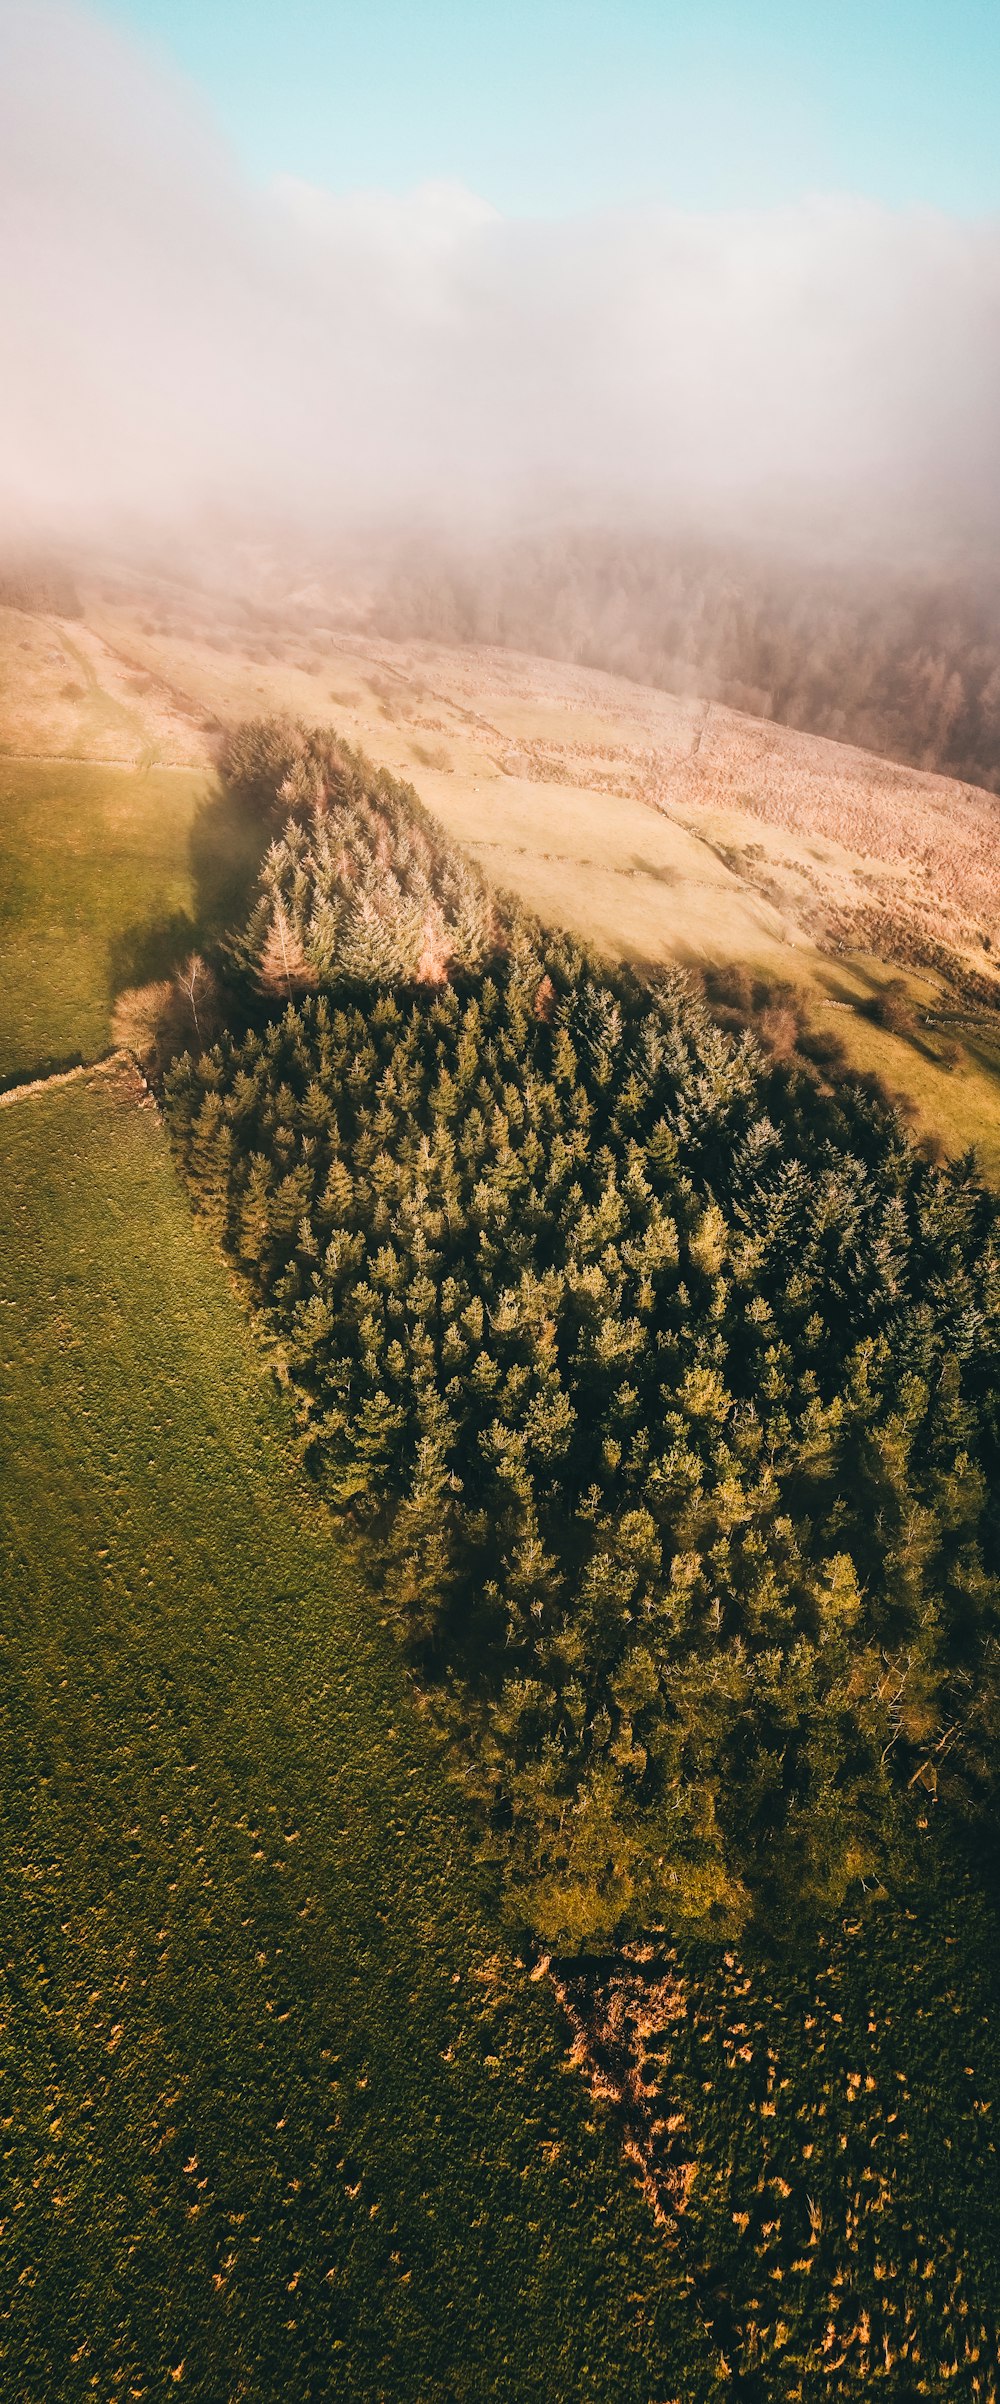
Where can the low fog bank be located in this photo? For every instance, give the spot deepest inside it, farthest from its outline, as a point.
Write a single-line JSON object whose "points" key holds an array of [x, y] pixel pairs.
{"points": [[751, 456], [899, 660], [183, 351]]}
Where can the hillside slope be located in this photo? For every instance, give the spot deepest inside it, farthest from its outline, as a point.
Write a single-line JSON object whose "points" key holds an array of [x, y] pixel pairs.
{"points": [[655, 827], [277, 2116]]}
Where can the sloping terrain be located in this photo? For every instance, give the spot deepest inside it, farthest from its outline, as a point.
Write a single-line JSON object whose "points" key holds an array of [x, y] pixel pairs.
{"points": [[818, 2135], [281, 2114], [64, 693], [861, 840], [277, 2116], [97, 887], [656, 827]]}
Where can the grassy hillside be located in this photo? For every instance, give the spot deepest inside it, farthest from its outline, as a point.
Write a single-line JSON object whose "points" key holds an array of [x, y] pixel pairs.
{"points": [[277, 2116], [828, 2124], [87, 856], [646, 823], [107, 875], [63, 692]]}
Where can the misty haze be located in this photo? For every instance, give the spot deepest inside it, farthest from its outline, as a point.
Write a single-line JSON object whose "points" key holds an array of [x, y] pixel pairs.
{"points": [[500, 1178]]}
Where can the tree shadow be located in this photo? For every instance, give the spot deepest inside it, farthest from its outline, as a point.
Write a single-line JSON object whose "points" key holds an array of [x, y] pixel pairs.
{"points": [[906, 1021], [660, 872], [226, 846], [148, 951], [48, 1064]]}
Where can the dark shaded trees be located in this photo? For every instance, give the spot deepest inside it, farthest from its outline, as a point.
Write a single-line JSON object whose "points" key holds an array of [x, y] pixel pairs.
{"points": [[664, 1381]]}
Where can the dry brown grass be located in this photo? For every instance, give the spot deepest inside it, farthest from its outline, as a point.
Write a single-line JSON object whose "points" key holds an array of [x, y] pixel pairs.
{"points": [[655, 826], [66, 693]]}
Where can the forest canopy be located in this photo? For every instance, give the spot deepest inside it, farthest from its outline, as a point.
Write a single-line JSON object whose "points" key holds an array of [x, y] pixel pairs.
{"points": [[662, 1380], [358, 882]]}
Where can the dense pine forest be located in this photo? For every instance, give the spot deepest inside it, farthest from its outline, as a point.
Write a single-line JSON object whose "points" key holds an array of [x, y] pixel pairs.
{"points": [[662, 1376]]}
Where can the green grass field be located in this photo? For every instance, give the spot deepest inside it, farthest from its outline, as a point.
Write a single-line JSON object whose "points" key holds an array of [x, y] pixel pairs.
{"points": [[280, 2117], [844, 2111], [107, 876], [89, 857]]}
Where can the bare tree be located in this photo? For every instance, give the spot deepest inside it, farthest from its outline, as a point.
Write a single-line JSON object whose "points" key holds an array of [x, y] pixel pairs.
{"points": [[193, 979]]}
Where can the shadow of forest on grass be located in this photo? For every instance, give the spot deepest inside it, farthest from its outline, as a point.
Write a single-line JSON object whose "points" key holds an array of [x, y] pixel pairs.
{"points": [[226, 846]]}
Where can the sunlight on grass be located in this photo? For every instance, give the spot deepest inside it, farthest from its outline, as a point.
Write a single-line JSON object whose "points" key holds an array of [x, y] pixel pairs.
{"points": [[277, 2116], [89, 857]]}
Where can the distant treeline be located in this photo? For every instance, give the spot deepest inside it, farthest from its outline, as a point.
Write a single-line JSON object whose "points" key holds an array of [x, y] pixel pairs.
{"points": [[663, 1378], [905, 665], [43, 585]]}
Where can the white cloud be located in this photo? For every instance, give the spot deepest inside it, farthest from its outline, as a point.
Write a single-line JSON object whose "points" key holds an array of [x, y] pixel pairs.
{"points": [[176, 343]]}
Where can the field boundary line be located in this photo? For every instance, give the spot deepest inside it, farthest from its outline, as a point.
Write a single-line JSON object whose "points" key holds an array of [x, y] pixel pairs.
{"points": [[122, 1058], [72, 759]]}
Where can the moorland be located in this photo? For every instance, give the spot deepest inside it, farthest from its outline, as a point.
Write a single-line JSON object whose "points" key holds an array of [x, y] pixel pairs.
{"points": [[655, 827]]}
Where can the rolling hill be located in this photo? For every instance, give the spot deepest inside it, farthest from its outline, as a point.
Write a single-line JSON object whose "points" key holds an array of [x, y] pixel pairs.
{"points": [[279, 2108], [655, 827]]}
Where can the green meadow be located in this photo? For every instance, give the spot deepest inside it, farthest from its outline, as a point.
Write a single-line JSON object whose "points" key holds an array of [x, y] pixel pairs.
{"points": [[281, 2114], [842, 2108], [107, 876]]}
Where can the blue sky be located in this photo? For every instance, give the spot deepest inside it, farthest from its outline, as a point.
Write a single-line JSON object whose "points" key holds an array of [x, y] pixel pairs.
{"points": [[770, 345], [553, 107]]}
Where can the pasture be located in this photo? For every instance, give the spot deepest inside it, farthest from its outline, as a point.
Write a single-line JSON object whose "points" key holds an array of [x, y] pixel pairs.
{"points": [[816, 2127], [107, 876], [88, 857], [281, 2112], [844, 2112]]}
